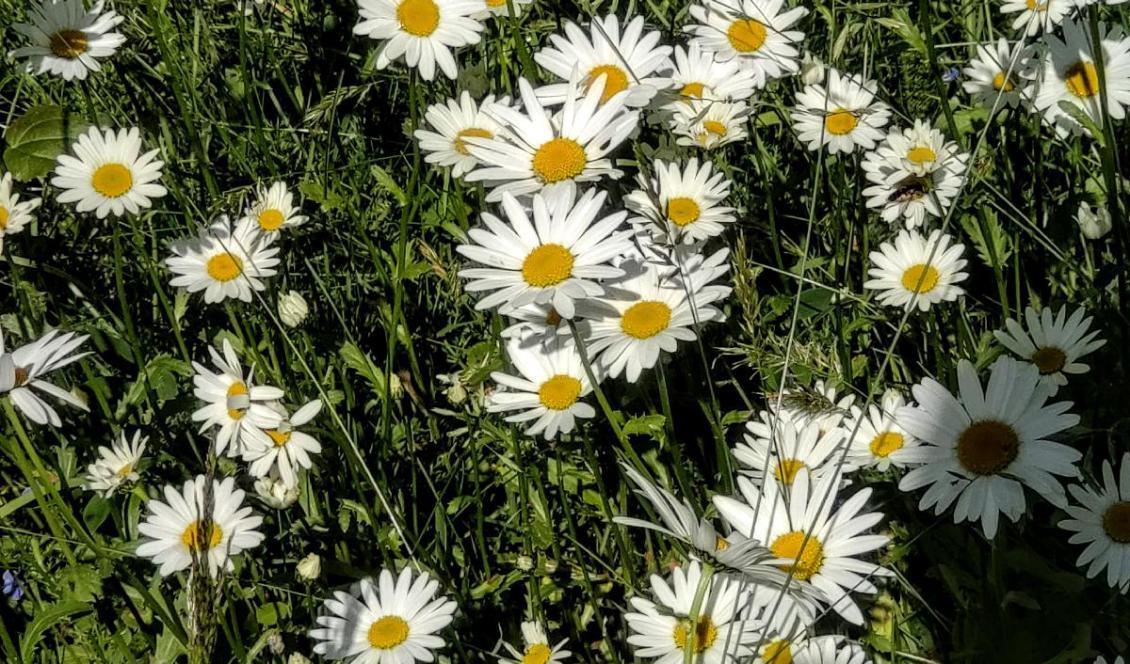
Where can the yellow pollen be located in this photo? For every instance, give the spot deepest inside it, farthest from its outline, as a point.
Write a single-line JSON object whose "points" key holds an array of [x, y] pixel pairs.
{"points": [[987, 447], [279, 438], [1116, 522], [461, 145], [69, 44], [721, 543], [388, 632], [841, 122], [746, 35], [418, 17], [920, 278], [887, 443], [1082, 80], [192, 537], [778, 652], [537, 653], [237, 389], [693, 90], [921, 155], [615, 80], [548, 265], [125, 470], [714, 127], [112, 180], [271, 219], [496, 3], [1002, 82], [808, 554], [1049, 360], [682, 211], [224, 266], [1034, 6], [4, 216], [559, 159], [644, 320], [704, 634], [787, 469], [559, 392]]}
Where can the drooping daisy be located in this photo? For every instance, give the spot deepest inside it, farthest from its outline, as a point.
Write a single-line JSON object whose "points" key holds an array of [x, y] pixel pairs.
{"points": [[174, 533], [536, 648], [681, 204], [234, 403], [14, 215], [841, 114], [782, 623], [488, 8], [919, 151], [629, 60], [980, 448], [664, 631], [555, 259], [1101, 520], [422, 31], [22, 371], [698, 74], [828, 650], [804, 526], [386, 621], [548, 389], [453, 121], [223, 262], [108, 173], [116, 465], [1068, 74], [286, 449], [66, 39], [792, 448], [917, 271], [995, 73], [274, 210], [877, 440], [709, 124], [1053, 342], [535, 323], [907, 197], [550, 153], [756, 32], [1036, 16]]}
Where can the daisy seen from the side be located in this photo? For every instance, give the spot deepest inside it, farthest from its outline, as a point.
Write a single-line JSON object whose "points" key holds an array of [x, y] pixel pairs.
{"points": [[22, 374], [548, 389], [108, 174], [14, 215], [423, 32], [66, 39], [1053, 342], [451, 122], [490, 8], [116, 465], [840, 113], [224, 263], [234, 403], [681, 203], [917, 271]]}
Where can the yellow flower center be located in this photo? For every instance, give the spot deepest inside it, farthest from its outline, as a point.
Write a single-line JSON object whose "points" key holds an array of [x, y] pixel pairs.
{"points": [[125, 470], [1116, 522], [496, 3], [714, 127], [705, 634], [693, 90], [1049, 360], [537, 653], [721, 543], [461, 145], [1082, 80], [271, 219], [69, 44], [279, 438], [559, 159], [920, 278], [418, 17], [746, 35], [778, 652], [886, 444], [388, 632], [1035, 6], [237, 389], [224, 266], [4, 216], [548, 265], [787, 469], [112, 180], [559, 392], [615, 80], [682, 211], [644, 320], [807, 552], [1002, 82], [193, 538], [987, 447], [841, 122], [921, 155]]}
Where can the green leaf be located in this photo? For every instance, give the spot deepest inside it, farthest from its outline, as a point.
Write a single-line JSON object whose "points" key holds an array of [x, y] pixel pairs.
{"points": [[47, 618], [96, 512], [169, 650], [356, 359], [384, 179], [37, 138]]}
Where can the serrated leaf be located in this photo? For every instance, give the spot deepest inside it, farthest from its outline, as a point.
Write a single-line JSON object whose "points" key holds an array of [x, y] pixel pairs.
{"points": [[384, 179], [45, 619], [356, 359], [36, 138]]}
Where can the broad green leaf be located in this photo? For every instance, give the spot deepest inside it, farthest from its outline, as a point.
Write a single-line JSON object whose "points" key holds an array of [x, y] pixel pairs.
{"points": [[45, 619], [37, 138]]}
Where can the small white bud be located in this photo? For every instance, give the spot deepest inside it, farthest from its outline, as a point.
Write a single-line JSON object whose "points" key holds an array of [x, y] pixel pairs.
{"points": [[275, 492], [812, 69], [276, 644], [525, 563], [1094, 223], [310, 567], [295, 658], [293, 309]]}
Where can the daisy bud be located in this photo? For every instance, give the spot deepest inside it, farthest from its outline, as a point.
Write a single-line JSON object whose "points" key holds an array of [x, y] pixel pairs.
{"points": [[275, 643], [812, 69], [275, 493], [525, 563], [293, 309], [1095, 223], [395, 386], [295, 658], [310, 567]]}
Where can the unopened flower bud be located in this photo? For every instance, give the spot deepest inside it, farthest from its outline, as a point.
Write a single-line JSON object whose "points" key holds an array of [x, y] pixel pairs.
{"points": [[275, 492], [293, 309], [310, 567], [812, 69], [1095, 222]]}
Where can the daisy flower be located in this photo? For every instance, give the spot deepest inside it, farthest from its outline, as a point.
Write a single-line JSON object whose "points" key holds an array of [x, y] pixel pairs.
{"points": [[821, 405], [537, 649], [755, 32], [917, 271], [919, 151], [423, 31], [629, 60], [1036, 16], [488, 8], [782, 622], [995, 73], [22, 371], [828, 650], [453, 121], [681, 203], [117, 465], [664, 631], [224, 263], [390, 620], [535, 323], [548, 390], [792, 448], [696, 74], [1101, 520], [174, 534], [1068, 74], [274, 210], [1053, 342], [876, 438], [14, 215], [108, 174], [709, 124], [981, 447], [841, 114], [234, 403], [556, 259], [285, 449], [549, 153], [823, 543], [901, 195], [66, 39]]}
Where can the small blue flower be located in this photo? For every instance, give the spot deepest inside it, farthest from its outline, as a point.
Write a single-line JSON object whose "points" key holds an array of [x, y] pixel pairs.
{"points": [[12, 587], [950, 75]]}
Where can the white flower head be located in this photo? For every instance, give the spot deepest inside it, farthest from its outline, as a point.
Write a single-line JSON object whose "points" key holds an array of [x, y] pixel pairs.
{"points": [[22, 374], [840, 113], [116, 465], [423, 32], [1069, 75], [273, 210], [66, 39], [548, 389], [755, 32], [1101, 520], [681, 203], [284, 449], [536, 648], [451, 122], [233, 403], [108, 174], [917, 271], [709, 124], [224, 263], [1095, 222], [14, 215], [1053, 342]]}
